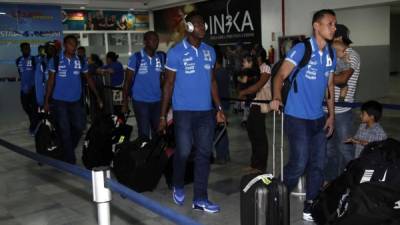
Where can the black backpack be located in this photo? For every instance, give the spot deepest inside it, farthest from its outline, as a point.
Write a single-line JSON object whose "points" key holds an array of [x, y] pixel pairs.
{"points": [[46, 140], [291, 79]]}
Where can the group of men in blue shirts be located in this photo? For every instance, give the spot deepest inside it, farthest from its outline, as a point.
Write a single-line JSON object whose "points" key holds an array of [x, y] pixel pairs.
{"points": [[53, 82], [190, 83]]}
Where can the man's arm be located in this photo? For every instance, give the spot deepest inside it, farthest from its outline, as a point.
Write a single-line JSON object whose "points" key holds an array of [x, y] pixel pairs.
{"points": [[127, 87], [330, 102], [49, 90], [162, 79], [92, 87], [264, 77], [214, 89], [166, 97], [283, 72], [342, 77]]}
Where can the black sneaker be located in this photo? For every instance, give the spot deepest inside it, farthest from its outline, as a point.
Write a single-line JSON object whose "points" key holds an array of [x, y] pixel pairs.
{"points": [[307, 211]]}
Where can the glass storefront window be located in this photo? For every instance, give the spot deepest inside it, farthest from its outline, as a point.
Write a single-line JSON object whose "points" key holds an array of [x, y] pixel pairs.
{"points": [[118, 43], [136, 42]]}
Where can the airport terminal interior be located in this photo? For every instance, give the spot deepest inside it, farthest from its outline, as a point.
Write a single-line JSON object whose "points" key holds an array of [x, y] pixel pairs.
{"points": [[38, 194]]}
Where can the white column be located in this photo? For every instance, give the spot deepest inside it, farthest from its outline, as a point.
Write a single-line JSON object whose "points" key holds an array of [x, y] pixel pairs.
{"points": [[101, 194]]}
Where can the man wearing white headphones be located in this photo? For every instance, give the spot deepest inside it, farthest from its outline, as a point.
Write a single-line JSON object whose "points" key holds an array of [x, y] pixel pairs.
{"points": [[190, 81]]}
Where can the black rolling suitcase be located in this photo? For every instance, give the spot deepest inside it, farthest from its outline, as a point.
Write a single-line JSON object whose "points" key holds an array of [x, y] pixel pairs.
{"points": [[46, 141], [141, 163], [264, 200], [106, 132]]}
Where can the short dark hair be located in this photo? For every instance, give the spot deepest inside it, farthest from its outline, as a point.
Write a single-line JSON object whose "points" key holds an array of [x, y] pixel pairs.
{"points": [[149, 33], [373, 108], [113, 56], [70, 36], [24, 44], [189, 17], [321, 13], [262, 53], [82, 48], [96, 59]]}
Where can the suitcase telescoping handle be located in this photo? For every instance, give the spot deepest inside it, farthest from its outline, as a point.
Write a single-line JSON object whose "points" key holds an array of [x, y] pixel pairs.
{"points": [[274, 145], [221, 130]]}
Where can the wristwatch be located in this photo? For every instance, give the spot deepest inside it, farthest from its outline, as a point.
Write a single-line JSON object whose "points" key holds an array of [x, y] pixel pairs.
{"points": [[219, 108]]}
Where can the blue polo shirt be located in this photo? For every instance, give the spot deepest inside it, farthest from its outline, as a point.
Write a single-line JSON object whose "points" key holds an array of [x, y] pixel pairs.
{"points": [[146, 81], [26, 71], [117, 78], [312, 81], [68, 86], [193, 67]]}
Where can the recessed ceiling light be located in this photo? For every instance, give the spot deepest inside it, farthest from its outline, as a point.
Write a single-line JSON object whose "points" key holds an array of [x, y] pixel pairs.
{"points": [[82, 7], [3, 13], [131, 9]]}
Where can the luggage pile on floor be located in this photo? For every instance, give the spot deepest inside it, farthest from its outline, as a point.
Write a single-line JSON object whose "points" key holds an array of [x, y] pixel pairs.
{"points": [[101, 141], [367, 193]]}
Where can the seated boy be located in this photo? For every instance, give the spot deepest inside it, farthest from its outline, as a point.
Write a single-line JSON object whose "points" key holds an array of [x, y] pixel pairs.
{"points": [[341, 65], [370, 130]]}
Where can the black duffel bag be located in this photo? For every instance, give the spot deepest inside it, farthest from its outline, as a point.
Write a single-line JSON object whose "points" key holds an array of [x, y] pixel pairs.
{"points": [[140, 164], [361, 192]]}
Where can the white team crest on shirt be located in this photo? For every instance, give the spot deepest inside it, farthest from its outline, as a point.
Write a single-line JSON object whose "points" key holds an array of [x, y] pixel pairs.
{"points": [[207, 55], [328, 60], [77, 64]]}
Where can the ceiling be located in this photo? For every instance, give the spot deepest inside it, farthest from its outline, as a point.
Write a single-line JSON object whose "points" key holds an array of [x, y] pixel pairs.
{"points": [[109, 4]]}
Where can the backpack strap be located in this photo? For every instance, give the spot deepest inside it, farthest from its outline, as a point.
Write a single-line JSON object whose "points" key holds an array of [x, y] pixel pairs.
{"points": [[162, 56], [56, 60], [138, 56], [33, 59], [304, 61], [17, 63], [331, 54]]}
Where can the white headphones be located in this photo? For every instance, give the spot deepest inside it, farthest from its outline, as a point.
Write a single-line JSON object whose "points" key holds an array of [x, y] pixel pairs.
{"points": [[190, 27]]}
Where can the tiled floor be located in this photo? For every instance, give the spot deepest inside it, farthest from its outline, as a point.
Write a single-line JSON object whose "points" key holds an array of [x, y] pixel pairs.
{"points": [[33, 195]]}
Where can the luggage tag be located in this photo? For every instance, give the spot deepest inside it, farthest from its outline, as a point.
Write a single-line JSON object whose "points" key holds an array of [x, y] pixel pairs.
{"points": [[367, 176], [265, 178]]}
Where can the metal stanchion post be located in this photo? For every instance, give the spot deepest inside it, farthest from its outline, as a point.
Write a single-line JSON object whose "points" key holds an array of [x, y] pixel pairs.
{"points": [[101, 194], [300, 190]]}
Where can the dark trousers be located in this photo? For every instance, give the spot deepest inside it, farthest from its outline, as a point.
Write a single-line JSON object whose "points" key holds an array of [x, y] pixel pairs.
{"points": [[338, 153], [70, 124], [307, 151], [147, 117], [194, 128], [258, 138], [28, 101]]}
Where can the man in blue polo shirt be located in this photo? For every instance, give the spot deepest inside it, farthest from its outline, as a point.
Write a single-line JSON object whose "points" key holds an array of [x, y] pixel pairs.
{"points": [[26, 69], [305, 123], [64, 88], [190, 81], [42, 73], [146, 87]]}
